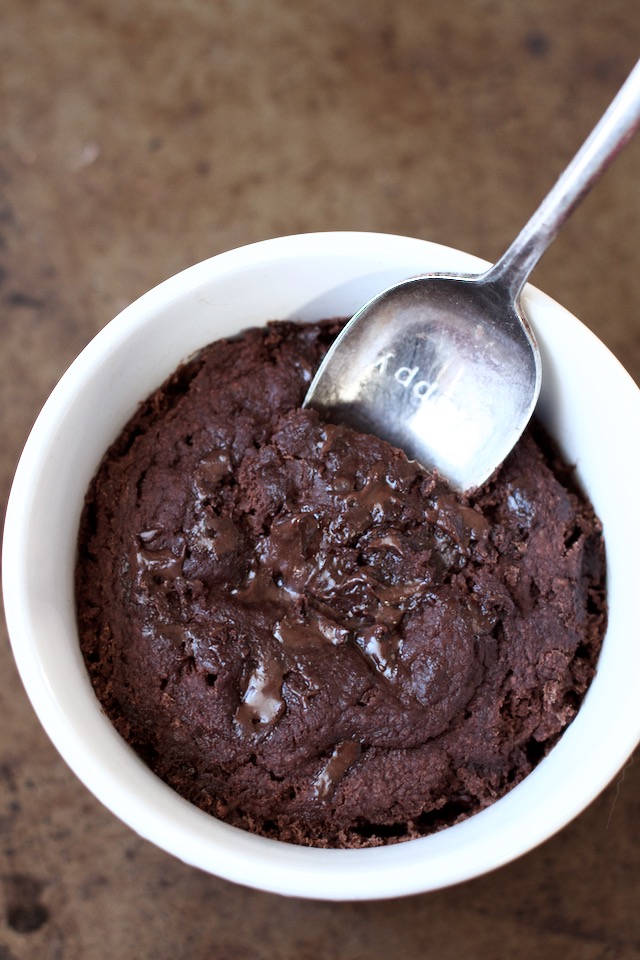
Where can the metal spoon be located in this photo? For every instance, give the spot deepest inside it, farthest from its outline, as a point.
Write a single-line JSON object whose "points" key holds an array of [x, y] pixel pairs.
{"points": [[446, 367]]}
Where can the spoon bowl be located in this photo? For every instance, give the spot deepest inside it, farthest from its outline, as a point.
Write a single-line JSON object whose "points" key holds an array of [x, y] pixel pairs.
{"points": [[446, 366]]}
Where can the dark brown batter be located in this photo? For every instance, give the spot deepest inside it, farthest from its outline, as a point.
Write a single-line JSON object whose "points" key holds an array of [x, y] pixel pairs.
{"points": [[313, 638]]}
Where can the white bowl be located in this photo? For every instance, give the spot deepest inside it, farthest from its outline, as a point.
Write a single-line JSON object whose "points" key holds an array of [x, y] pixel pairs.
{"points": [[590, 405]]}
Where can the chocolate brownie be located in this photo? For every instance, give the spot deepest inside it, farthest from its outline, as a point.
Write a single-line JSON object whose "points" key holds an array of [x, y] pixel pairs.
{"points": [[308, 635]]}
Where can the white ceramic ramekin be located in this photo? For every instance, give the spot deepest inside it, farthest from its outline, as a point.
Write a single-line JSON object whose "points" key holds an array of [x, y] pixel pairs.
{"points": [[590, 405]]}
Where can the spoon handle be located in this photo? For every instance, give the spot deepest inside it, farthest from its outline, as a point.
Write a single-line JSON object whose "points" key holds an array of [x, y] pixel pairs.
{"points": [[614, 130]]}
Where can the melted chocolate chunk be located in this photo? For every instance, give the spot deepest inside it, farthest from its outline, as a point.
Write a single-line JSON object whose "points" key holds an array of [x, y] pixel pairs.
{"points": [[313, 638]]}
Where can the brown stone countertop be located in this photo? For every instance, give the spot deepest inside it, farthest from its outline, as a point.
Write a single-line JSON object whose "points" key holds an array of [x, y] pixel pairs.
{"points": [[138, 138]]}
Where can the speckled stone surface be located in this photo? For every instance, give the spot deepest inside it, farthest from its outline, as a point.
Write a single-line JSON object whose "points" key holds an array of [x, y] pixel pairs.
{"points": [[138, 138]]}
